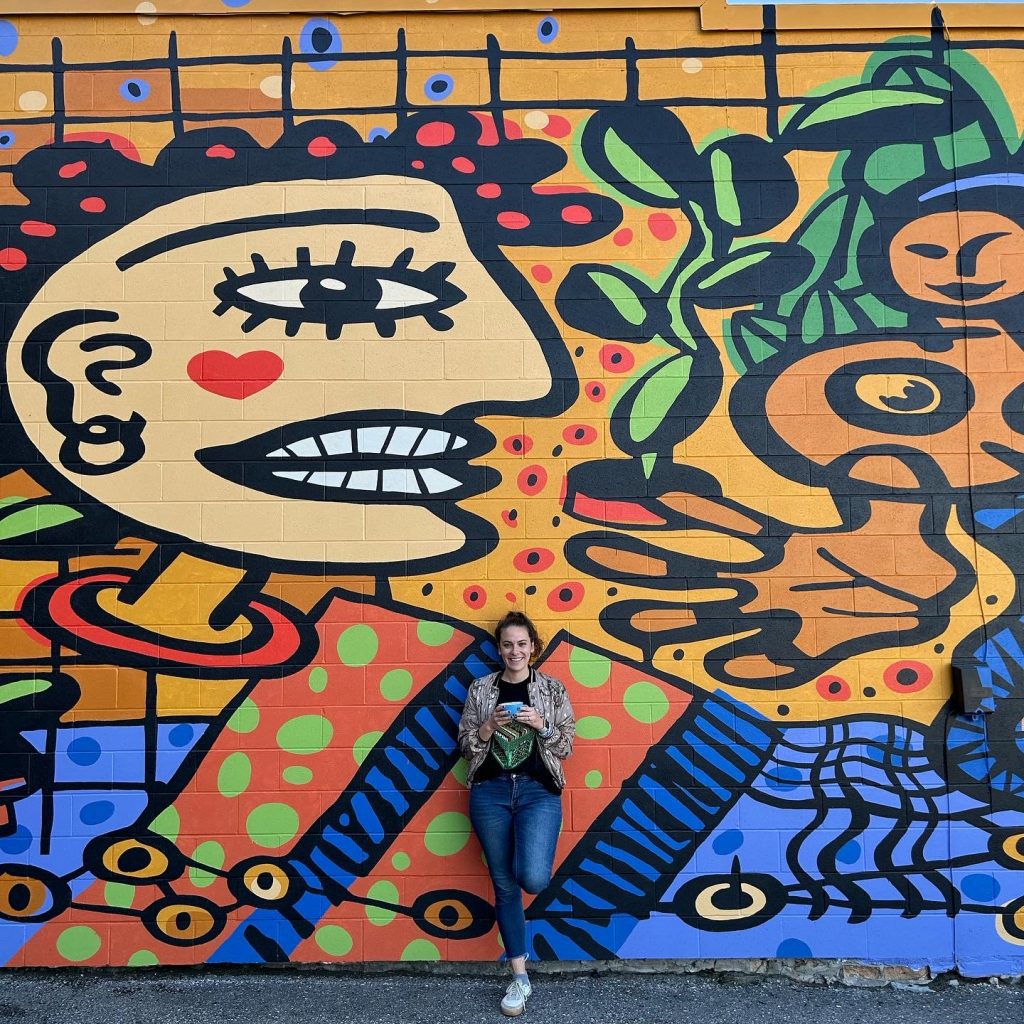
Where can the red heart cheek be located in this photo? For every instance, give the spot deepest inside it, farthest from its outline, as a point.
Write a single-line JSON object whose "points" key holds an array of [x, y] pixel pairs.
{"points": [[230, 376]]}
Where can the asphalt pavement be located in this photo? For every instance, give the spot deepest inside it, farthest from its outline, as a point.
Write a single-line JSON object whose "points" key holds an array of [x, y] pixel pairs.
{"points": [[295, 996]]}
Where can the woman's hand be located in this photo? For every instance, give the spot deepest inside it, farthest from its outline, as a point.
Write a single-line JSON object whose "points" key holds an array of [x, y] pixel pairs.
{"points": [[531, 717], [499, 717]]}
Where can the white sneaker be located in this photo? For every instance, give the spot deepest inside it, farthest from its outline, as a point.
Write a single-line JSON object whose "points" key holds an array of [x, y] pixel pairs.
{"points": [[515, 998]]}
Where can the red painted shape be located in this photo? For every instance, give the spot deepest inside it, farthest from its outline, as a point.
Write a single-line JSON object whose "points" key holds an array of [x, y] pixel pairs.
{"points": [[119, 143], [12, 259], [623, 236], [38, 229], [662, 226], [74, 169], [488, 190], [577, 214], [93, 204], [221, 152], [322, 147], [541, 274], [557, 127], [463, 165], [613, 511], [435, 133], [231, 376], [513, 220]]}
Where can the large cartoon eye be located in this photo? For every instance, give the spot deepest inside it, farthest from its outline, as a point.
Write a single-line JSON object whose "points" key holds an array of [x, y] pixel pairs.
{"points": [[912, 397], [29, 893], [340, 293]]}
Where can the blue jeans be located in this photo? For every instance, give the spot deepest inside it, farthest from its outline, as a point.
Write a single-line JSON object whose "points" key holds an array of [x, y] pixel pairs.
{"points": [[517, 821]]}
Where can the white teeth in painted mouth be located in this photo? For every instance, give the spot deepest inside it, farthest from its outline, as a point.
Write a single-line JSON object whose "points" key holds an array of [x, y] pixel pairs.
{"points": [[414, 441]]}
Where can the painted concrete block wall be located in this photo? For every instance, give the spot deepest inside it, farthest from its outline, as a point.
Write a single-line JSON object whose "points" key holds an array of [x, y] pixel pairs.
{"points": [[327, 340]]}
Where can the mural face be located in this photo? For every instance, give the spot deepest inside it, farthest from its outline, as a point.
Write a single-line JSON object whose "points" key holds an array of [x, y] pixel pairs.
{"points": [[319, 359]]}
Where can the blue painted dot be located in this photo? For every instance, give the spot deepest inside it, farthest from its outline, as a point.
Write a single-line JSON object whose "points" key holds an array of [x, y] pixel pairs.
{"points": [[983, 888], [235, 3], [96, 813], [6, 140], [782, 778], [728, 841], [319, 35], [792, 948], [8, 38], [438, 87], [84, 751], [547, 30], [378, 133], [848, 853], [134, 90], [181, 735], [17, 842]]}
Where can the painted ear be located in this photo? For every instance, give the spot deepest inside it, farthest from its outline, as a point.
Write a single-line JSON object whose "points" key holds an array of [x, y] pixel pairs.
{"points": [[74, 376]]}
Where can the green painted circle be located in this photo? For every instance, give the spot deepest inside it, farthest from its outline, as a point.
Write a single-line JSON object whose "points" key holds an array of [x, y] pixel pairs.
{"points": [[421, 949], [318, 679], [593, 779], [396, 684], [588, 668], [167, 823], [461, 771], [305, 734], [447, 834], [358, 645], [118, 894], [235, 774], [143, 958], [297, 775], [401, 861], [434, 634], [245, 718], [210, 854], [593, 727], [333, 940], [272, 825], [646, 702], [386, 892], [78, 943], [364, 744]]}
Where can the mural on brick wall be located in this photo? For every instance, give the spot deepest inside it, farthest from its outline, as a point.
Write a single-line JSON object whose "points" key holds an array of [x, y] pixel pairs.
{"points": [[328, 342]]}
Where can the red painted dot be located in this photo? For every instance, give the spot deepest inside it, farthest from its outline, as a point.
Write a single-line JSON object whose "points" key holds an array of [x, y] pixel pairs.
{"points": [[475, 596], [38, 229], [833, 688], [488, 190], [463, 165], [534, 560], [510, 517], [532, 480], [662, 226], [518, 444], [617, 359], [565, 597], [511, 598], [321, 146], [595, 391], [540, 273], [73, 170], [577, 215], [93, 204], [12, 259], [513, 220], [418, 164], [436, 133], [512, 130], [222, 152], [557, 127], [623, 236], [907, 676], [579, 433]]}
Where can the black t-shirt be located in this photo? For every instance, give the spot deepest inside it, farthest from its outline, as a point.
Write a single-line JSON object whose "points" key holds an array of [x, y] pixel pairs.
{"points": [[514, 747]]}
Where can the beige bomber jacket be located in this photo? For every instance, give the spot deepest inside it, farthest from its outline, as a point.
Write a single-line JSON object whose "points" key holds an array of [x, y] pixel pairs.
{"points": [[547, 695]]}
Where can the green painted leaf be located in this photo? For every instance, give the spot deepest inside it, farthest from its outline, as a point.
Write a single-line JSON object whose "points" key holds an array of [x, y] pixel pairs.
{"points": [[36, 517], [621, 295], [628, 163], [734, 266], [726, 199], [863, 101], [656, 396]]}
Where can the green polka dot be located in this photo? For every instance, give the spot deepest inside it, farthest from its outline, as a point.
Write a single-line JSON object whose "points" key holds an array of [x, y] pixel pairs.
{"points": [[272, 825], [167, 824], [461, 771], [305, 734], [143, 958], [386, 892], [434, 634], [117, 894], [78, 943], [646, 702], [364, 744], [588, 668], [209, 853], [401, 861], [297, 775], [358, 645], [592, 727], [447, 834], [235, 774], [333, 940], [245, 718], [318, 679], [396, 684], [593, 779], [421, 949]]}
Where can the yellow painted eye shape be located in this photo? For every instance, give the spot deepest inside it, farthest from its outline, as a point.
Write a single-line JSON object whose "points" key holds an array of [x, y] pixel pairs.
{"points": [[900, 393]]}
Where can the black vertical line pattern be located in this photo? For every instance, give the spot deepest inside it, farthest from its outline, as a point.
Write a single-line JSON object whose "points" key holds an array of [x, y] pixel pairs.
{"points": [[494, 104], [59, 111], [152, 733], [769, 57], [402, 78], [177, 121], [632, 72], [287, 65], [938, 35]]}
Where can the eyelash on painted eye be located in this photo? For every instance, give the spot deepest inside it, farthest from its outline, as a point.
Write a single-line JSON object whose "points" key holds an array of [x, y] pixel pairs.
{"points": [[339, 293]]}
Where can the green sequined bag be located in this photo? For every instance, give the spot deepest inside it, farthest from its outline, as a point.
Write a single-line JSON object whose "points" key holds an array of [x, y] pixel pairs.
{"points": [[513, 744]]}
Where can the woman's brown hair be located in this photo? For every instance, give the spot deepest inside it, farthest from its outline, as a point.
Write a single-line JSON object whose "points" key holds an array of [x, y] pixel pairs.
{"points": [[514, 618]]}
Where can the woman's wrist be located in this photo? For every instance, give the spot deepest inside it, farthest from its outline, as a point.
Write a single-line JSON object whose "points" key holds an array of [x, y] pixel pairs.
{"points": [[546, 732], [483, 732]]}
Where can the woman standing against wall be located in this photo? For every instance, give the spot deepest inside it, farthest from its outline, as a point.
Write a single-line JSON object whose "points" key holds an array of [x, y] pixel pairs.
{"points": [[516, 730]]}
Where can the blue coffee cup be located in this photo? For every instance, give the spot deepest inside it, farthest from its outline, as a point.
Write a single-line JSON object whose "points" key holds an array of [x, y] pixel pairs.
{"points": [[513, 707]]}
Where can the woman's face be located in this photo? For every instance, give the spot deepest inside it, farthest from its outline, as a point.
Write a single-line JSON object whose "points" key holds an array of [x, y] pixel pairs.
{"points": [[303, 363], [516, 648]]}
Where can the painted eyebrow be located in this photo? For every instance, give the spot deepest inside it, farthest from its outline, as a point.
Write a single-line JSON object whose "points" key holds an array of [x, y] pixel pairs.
{"points": [[406, 219]]}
